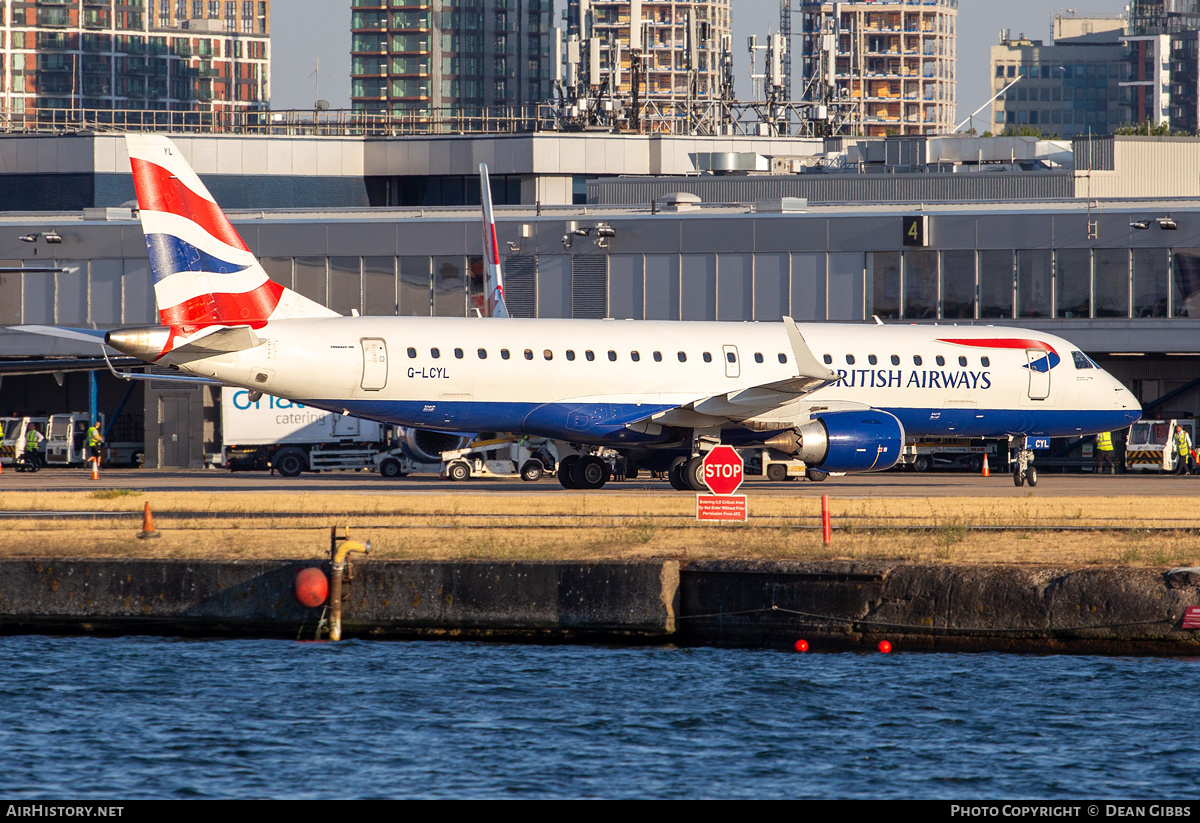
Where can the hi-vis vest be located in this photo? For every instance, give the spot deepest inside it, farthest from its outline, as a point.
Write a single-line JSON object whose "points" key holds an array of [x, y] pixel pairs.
{"points": [[1181, 442], [1104, 441]]}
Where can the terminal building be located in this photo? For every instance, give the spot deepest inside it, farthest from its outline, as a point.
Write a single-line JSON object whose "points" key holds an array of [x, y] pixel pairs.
{"points": [[1111, 262]]}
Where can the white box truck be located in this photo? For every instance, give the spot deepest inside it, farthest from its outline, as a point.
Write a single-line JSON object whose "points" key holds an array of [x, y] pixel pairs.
{"points": [[260, 432]]}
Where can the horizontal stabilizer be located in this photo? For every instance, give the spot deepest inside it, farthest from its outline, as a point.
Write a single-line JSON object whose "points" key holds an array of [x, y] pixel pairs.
{"points": [[82, 335]]}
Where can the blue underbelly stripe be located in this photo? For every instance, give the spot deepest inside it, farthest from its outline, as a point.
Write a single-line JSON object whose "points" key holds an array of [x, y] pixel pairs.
{"points": [[605, 423]]}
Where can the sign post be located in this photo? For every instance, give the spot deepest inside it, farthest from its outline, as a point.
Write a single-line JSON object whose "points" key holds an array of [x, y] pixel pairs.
{"points": [[723, 474]]}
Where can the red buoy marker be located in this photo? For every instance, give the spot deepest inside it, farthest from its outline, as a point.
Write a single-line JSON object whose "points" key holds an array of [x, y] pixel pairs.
{"points": [[885, 646], [311, 587], [802, 645]]}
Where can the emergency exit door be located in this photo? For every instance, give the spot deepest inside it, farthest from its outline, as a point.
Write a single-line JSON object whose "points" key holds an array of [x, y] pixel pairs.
{"points": [[375, 369]]}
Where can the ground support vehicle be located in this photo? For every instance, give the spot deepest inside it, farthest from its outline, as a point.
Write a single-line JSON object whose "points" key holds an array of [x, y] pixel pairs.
{"points": [[264, 433], [777, 466], [951, 453], [12, 442], [1150, 444], [527, 457]]}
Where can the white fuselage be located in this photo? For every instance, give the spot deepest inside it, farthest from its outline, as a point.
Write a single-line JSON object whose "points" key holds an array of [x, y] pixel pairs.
{"points": [[590, 380]]}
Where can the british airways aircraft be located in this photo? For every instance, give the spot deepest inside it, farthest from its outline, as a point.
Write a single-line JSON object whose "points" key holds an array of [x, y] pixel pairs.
{"points": [[841, 397]]}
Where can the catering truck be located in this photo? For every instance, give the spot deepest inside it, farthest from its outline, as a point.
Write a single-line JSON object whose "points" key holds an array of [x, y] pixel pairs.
{"points": [[1150, 445], [261, 433]]}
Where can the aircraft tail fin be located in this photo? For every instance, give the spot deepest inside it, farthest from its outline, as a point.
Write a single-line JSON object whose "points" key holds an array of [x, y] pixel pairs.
{"points": [[204, 274], [493, 274]]}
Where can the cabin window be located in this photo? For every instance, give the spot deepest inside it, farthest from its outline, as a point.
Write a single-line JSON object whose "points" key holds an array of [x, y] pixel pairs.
{"points": [[962, 361], [941, 361], [782, 357], [504, 354], [758, 358], [458, 354], [612, 355], [731, 357], [570, 354], [916, 359], [849, 360], [435, 354], [895, 360], [549, 355], [634, 356], [482, 354], [412, 353], [682, 357], [707, 357], [872, 359], [985, 361], [827, 358], [528, 354], [590, 355], [658, 357]]}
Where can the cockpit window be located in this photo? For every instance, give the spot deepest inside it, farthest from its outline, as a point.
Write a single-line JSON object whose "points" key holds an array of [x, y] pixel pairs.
{"points": [[1082, 361]]}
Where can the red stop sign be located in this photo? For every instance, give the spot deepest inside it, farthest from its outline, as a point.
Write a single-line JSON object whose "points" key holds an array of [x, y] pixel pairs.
{"points": [[723, 470]]}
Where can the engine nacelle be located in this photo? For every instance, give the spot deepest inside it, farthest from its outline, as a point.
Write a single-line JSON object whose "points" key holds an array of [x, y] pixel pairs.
{"points": [[427, 446], [847, 441]]}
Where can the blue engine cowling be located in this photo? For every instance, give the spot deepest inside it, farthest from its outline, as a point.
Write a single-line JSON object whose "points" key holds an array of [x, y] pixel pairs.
{"points": [[847, 441]]}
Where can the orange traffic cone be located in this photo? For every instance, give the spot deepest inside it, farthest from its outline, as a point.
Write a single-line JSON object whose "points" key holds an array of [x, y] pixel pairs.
{"points": [[95, 468], [148, 523], [986, 473]]}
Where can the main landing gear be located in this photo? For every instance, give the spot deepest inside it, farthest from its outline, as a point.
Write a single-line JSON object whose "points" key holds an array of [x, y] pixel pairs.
{"points": [[583, 471]]}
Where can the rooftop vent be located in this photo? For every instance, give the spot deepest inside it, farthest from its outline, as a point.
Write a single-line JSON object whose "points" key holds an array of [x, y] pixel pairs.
{"points": [[679, 201]]}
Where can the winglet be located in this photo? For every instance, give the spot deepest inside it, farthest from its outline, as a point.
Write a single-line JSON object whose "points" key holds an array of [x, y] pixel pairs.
{"points": [[806, 361], [494, 276]]}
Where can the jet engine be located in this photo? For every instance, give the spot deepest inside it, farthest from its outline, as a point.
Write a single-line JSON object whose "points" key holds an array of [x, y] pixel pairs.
{"points": [[427, 446], [846, 441]]}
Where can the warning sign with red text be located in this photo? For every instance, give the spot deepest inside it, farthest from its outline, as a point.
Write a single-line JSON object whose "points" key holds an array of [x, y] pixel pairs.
{"points": [[721, 507]]}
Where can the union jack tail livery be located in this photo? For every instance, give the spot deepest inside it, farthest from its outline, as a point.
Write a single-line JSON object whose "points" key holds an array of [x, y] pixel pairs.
{"points": [[205, 277]]}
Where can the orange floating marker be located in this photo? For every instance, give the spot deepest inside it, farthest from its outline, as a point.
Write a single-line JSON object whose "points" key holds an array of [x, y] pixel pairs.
{"points": [[885, 646], [801, 645], [148, 523], [311, 587], [986, 473]]}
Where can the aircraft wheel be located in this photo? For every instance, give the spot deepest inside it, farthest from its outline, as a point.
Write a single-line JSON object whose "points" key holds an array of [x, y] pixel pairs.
{"points": [[1018, 476], [290, 462], [815, 475], [675, 475], [391, 468], [458, 470], [532, 470], [1031, 476], [590, 473], [776, 472], [693, 474], [565, 467]]}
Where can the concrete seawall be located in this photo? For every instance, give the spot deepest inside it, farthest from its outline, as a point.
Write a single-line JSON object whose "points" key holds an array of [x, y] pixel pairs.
{"points": [[832, 605]]}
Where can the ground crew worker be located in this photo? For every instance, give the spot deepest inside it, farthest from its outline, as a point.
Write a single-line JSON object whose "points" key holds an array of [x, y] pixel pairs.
{"points": [[94, 441], [1104, 453], [1183, 450], [33, 441]]}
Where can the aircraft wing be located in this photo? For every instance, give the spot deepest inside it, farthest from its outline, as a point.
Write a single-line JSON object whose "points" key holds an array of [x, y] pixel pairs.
{"points": [[811, 374]]}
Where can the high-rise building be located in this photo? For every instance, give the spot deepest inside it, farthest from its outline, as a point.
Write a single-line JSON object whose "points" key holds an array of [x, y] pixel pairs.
{"points": [[680, 45], [1163, 16], [449, 58], [1077, 85], [158, 55], [883, 67]]}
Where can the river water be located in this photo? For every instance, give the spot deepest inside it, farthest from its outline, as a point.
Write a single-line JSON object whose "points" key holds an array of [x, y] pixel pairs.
{"points": [[127, 718]]}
